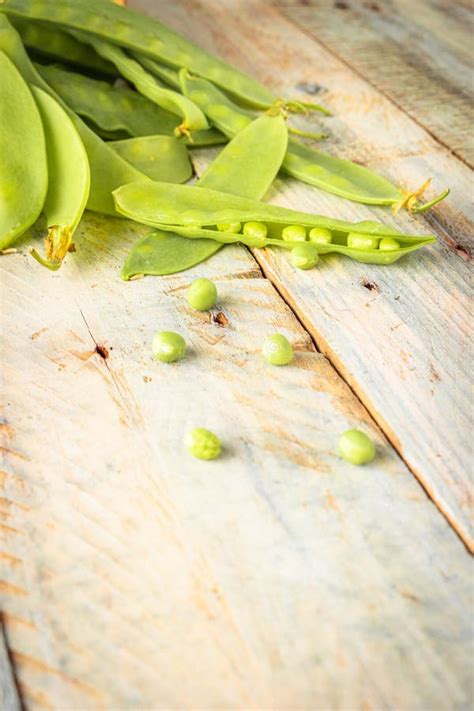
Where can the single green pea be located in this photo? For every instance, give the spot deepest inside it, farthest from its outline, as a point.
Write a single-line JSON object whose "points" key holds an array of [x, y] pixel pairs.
{"points": [[256, 230], [202, 443], [304, 256], [202, 294], [320, 235], [388, 244], [233, 227], [294, 233], [361, 241], [356, 447], [168, 346], [277, 350]]}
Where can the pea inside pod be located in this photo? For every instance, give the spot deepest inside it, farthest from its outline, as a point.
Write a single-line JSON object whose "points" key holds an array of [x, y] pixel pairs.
{"points": [[23, 165], [196, 212], [246, 166], [69, 179]]}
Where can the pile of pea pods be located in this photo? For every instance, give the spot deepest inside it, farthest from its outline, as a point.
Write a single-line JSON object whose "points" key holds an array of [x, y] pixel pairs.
{"points": [[99, 108]]}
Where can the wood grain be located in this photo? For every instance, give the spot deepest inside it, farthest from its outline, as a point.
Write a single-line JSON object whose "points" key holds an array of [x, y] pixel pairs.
{"points": [[277, 577], [390, 344], [9, 699], [416, 52]]}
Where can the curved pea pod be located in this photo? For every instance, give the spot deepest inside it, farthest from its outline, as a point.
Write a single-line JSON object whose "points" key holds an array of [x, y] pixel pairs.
{"points": [[51, 42], [246, 166], [108, 169], [161, 158], [196, 212], [23, 162], [193, 118], [116, 112], [166, 74], [333, 175], [139, 33], [69, 179]]}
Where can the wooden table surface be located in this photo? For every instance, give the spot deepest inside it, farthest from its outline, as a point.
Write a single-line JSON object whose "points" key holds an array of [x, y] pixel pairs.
{"points": [[277, 578]]}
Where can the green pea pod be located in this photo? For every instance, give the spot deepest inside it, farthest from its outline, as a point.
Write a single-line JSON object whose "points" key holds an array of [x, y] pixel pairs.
{"points": [[51, 42], [23, 162], [166, 74], [247, 167], [196, 213], [333, 175], [193, 118], [161, 158], [69, 179], [139, 33], [116, 112], [108, 169]]}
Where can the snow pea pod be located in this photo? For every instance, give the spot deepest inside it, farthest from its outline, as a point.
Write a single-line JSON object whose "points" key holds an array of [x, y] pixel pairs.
{"points": [[51, 42], [166, 74], [69, 179], [196, 212], [193, 118], [161, 158], [146, 35], [258, 151], [108, 169], [23, 162], [117, 109], [333, 175]]}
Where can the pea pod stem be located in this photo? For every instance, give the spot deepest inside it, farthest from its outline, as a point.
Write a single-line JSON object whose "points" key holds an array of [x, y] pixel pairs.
{"points": [[334, 175], [69, 179]]}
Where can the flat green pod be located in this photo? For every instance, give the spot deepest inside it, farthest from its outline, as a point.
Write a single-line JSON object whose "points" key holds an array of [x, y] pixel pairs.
{"points": [[162, 158], [333, 175], [69, 179], [52, 42], [108, 169], [143, 34], [23, 162], [193, 119], [247, 167]]}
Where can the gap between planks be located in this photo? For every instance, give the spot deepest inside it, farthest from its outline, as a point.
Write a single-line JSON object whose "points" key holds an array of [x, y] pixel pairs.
{"points": [[323, 347], [327, 47]]}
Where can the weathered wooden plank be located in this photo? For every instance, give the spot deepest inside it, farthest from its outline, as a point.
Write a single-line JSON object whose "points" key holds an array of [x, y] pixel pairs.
{"points": [[390, 344], [275, 577], [9, 699], [417, 52]]}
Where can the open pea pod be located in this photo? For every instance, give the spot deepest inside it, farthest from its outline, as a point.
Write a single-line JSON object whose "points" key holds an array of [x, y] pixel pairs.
{"points": [[197, 212], [326, 172], [247, 167]]}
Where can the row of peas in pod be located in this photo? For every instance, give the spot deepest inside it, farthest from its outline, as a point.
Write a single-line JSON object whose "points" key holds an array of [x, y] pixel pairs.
{"points": [[168, 347], [103, 105]]}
